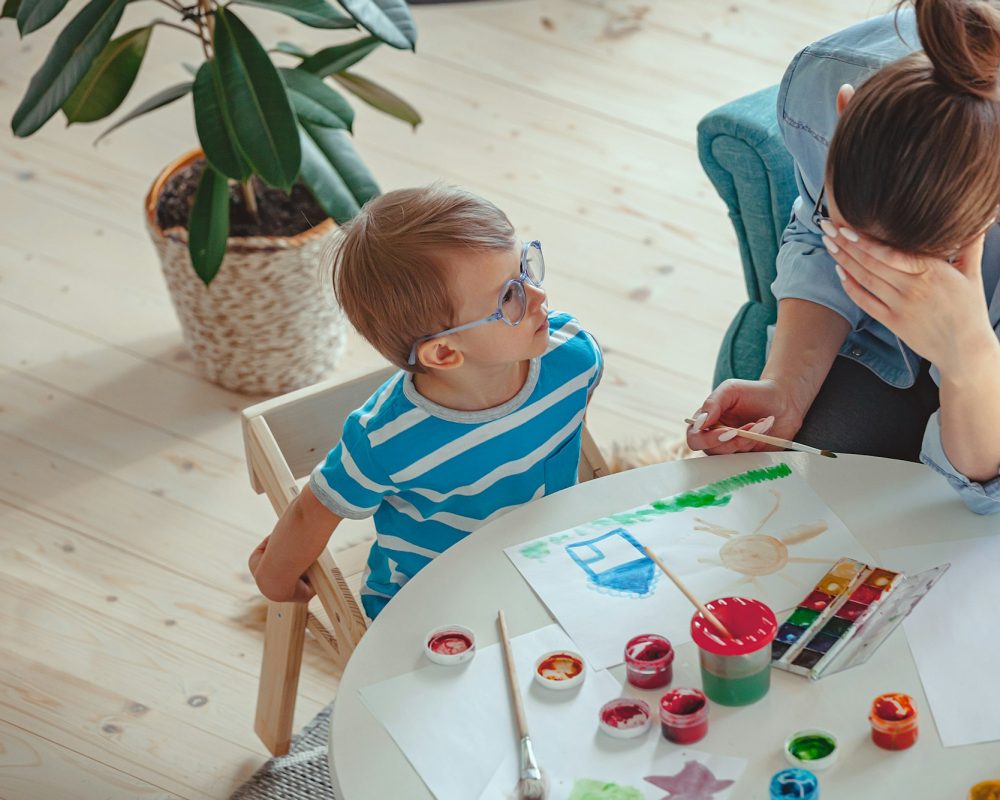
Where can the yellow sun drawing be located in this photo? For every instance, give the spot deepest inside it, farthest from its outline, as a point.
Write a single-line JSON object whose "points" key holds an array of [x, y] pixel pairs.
{"points": [[757, 554]]}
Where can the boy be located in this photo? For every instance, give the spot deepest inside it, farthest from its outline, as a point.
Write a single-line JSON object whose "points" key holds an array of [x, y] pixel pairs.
{"points": [[485, 413]]}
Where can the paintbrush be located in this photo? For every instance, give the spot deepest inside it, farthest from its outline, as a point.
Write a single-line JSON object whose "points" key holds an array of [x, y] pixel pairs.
{"points": [[777, 441], [714, 620], [530, 785]]}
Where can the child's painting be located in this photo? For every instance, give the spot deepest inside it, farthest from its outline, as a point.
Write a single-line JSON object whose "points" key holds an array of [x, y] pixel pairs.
{"points": [[652, 771], [763, 534]]}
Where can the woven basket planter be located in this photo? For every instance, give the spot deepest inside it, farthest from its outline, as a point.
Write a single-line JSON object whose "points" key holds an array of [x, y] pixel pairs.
{"points": [[266, 324]]}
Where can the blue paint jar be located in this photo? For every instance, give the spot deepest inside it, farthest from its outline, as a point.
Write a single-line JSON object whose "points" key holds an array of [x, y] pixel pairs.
{"points": [[794, 784]]}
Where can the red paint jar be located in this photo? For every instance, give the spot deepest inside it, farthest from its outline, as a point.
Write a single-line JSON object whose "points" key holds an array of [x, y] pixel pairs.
{"points": [[684, 715], [649, 661], [894, 721]]}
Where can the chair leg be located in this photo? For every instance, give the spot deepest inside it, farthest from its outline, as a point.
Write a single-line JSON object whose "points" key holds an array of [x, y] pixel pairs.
{"points": [[279, 674]]}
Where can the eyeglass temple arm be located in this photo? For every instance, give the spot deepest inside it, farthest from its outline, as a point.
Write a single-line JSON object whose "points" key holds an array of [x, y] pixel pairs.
{"points": [[413, 350]]}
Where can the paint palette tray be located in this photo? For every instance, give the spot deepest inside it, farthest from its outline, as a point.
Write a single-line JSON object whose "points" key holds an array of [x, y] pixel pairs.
{"points": [[848, 614]]}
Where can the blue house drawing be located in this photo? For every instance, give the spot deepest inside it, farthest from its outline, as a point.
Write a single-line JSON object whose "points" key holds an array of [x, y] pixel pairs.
{"points": [[615, 563]]}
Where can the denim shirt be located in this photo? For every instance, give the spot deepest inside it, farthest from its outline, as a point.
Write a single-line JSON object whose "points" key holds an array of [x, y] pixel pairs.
{"points": [[807, 115]]}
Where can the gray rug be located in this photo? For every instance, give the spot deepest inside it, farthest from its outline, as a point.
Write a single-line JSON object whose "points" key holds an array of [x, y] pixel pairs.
{"points": [[300, 775]]}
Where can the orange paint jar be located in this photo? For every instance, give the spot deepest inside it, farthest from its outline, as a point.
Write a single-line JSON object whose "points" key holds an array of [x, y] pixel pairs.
{"points": [[893, 718]]}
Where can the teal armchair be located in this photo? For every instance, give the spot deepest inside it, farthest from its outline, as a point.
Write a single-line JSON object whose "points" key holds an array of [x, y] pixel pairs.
{"points": [[741, 150]]}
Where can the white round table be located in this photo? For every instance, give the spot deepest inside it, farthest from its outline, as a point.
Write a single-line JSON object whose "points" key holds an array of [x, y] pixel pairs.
{"points": [[884, 503]]}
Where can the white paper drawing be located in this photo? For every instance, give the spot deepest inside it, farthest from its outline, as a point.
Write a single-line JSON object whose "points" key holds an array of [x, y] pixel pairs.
{"points": [[763, 534]]}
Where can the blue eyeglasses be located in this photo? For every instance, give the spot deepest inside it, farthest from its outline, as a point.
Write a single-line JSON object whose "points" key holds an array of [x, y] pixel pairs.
{"points": [[512, 302]]}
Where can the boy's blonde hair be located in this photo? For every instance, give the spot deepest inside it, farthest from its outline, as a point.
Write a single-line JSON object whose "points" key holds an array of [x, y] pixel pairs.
{"points": [[388, 274]]}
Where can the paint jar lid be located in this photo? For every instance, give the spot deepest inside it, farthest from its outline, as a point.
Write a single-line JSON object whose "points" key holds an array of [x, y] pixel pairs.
{"points": [[812, 749], [985, 790], [450, 645], [893, 713], [625, 717], [681, 708], [752, 624], [794, 784], [560, 669], [649, 651]]}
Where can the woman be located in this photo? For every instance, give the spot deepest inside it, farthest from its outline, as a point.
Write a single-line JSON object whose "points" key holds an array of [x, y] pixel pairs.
{"points": [[889, 272]]}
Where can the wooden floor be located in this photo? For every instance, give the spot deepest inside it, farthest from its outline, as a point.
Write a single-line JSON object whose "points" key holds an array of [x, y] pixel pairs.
{"points": [[125, 514]]}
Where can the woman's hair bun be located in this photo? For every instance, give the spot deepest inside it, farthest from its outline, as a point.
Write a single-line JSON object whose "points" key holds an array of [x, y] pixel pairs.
{"points": [[962, 40]]}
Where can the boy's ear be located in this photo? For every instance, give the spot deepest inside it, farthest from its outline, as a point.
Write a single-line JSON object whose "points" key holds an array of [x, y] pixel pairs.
{"points": [[438, 354], [844, 95]]}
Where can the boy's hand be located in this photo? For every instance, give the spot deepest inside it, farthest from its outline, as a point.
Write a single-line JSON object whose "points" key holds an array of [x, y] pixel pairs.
{"points": [[301, 593]]}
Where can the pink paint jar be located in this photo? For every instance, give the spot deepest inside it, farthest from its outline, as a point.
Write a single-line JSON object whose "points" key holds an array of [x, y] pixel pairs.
{"points": [[649, 661], [684, 715]]}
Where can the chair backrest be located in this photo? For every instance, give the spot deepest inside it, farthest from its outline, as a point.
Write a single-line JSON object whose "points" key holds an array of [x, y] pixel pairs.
{"points": [[306, 424]]}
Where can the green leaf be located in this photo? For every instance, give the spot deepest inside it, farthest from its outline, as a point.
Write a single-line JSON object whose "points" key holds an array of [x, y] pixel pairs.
{"points": [[314, 101], [33, 14], [190, 69], [334, 59], [289, 49], [314, 13], [67, 62], [389, 20], [10, 8], [215, 130], [109, 78], [255, 101], [379, 97], [158, 100], [208, 225], [334, 172]]}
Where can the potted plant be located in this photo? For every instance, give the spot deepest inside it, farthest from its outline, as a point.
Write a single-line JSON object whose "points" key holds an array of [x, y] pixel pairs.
{"points": [[241, 222]]}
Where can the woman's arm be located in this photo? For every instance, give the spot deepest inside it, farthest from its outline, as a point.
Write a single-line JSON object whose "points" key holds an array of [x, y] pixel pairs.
{"points": [[970, 410], [279, 563], [806, 340]]}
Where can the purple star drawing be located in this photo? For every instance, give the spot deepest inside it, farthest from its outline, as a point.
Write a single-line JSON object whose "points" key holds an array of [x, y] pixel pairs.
{"points": [[694, 782]]}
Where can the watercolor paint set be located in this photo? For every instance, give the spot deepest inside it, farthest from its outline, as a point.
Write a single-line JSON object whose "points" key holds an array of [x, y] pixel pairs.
{"points": [[852, 609]]}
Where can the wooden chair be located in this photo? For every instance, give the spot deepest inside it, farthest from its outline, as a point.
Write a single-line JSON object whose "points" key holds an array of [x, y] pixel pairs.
{"points": [[285, 438]]}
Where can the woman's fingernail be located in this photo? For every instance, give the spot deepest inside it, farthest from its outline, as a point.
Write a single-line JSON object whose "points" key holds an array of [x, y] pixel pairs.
{"points": [[728, 435], [840, 272], [829, 245], [763, 426], [828, 228], [699, 420], [850, 235]]}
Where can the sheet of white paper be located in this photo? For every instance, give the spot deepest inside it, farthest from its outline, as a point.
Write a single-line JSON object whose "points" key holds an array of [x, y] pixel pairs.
{"points": [[455, 724], [635, 769], [771, 540], [952, 636]]}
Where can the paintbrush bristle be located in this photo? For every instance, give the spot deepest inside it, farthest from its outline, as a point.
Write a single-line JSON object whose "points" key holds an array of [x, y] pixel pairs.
{"points": [[828, 453], [531, 789]]}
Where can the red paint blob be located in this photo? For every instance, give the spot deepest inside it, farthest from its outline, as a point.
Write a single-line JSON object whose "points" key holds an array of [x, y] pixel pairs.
{"points": [[450, 643], [684, 715], [629, 715], [560, 667], [865, 594], [649, 661], [894, 721], [817, 601]]}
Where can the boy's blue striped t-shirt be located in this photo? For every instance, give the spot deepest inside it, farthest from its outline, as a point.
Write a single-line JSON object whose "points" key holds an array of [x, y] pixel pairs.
{"points": [[431, 475]]}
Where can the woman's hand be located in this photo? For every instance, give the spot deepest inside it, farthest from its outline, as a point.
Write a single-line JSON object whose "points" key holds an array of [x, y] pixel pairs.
{"points": [[764, 406], [938, 308]]}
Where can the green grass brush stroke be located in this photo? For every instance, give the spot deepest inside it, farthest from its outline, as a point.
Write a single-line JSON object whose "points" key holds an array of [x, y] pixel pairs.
{"points": [[587, 789], [714, 494]]}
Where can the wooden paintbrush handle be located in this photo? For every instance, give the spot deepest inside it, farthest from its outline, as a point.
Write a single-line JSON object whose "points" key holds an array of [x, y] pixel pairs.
{"points": [[687, 593], [515, 690]]}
